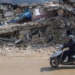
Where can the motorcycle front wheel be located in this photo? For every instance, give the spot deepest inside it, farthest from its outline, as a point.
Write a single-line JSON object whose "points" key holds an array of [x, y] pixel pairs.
{"points": [[54, 63]]}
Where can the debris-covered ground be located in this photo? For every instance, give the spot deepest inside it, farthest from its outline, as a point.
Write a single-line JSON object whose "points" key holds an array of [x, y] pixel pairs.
{"points": [[41, 50]]}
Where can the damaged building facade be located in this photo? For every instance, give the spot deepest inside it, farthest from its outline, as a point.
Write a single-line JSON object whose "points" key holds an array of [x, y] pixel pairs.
{"points": [[6, 11]]}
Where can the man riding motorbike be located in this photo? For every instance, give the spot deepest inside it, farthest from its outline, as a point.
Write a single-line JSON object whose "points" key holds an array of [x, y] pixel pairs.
{"points": [[71, 45]]}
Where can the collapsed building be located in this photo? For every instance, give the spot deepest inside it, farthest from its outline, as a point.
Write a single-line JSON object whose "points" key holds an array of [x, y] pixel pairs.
{"points": [[7, 11], [48, 23]]}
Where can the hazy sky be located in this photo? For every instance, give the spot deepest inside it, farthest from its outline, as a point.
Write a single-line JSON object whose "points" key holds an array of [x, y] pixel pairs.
{"points": [[25, 1]]}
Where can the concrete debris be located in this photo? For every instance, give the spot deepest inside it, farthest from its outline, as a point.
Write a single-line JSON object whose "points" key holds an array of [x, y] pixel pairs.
{"points": [[36, 24]]}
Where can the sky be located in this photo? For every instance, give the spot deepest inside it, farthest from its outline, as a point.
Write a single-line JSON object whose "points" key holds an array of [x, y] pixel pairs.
{"points": [[25, 1]]}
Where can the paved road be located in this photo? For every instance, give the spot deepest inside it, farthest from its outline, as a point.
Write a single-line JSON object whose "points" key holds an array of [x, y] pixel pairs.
{"points": [[31, 66]]}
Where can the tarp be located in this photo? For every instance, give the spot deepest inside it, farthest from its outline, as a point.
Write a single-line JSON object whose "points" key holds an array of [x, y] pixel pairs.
{"points": [[25, 14]]}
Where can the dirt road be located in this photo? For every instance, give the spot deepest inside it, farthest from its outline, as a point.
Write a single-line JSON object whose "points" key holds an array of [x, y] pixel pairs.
{"points": [[31, 66]]}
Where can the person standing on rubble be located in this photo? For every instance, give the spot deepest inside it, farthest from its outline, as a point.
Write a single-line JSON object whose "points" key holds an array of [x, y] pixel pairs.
{"points": [[71, 45]]}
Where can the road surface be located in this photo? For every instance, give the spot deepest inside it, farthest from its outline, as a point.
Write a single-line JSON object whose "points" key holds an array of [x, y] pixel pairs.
{"points": [[35, 65]]}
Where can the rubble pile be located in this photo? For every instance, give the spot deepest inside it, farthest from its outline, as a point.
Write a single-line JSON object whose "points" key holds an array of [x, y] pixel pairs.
{"points": [[46, 24]]}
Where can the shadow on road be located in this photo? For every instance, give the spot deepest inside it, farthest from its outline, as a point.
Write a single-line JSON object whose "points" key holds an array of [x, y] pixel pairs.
{"points": [[59, 68]]}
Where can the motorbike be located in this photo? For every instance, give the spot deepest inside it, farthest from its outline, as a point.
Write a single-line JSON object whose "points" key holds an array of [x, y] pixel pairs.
{"points": [[56, 58]]}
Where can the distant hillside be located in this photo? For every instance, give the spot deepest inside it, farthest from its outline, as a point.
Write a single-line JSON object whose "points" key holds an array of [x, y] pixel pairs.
{"points": [[25, 1], [6, 1]]}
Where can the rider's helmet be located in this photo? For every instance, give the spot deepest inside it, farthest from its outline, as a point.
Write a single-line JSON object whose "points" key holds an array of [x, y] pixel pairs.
{"points": [[71, 37]]}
